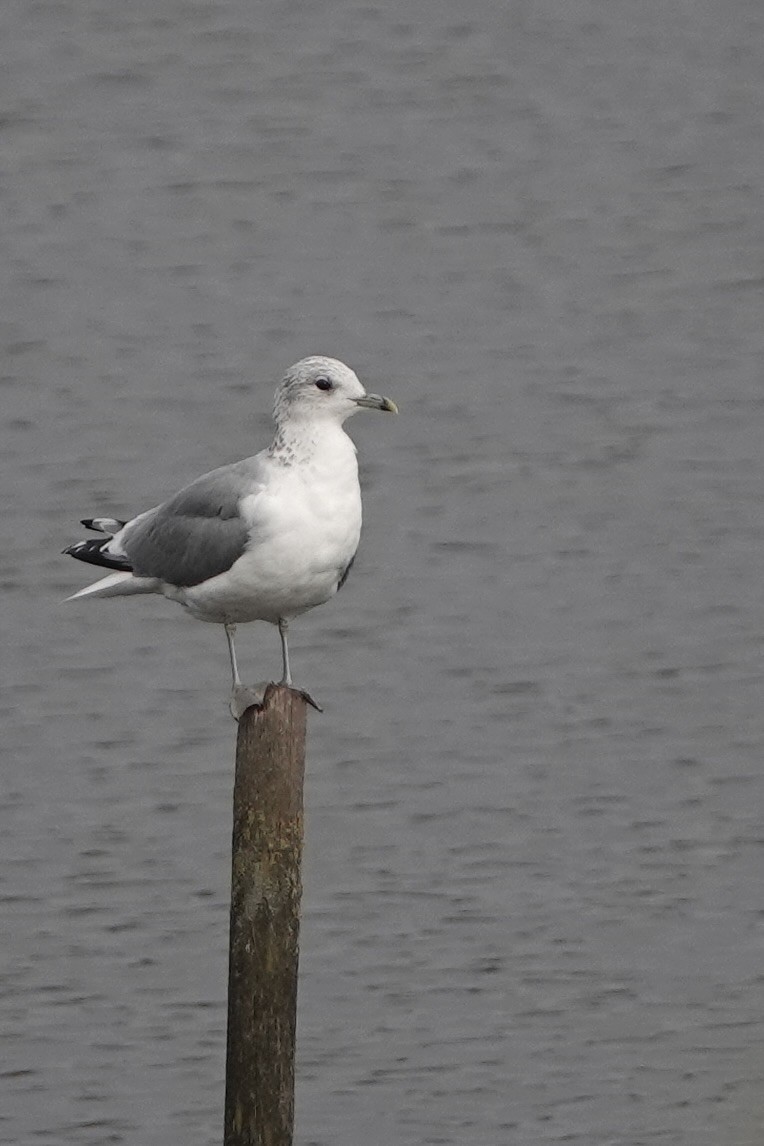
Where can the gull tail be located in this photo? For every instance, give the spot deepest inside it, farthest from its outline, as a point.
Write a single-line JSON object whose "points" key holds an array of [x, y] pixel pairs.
{"points": [[117, 585]]}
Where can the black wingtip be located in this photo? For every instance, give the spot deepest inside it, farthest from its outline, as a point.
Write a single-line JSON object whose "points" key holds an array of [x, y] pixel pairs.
{"points": [[78, 548], [110, 525], [92, 551]]}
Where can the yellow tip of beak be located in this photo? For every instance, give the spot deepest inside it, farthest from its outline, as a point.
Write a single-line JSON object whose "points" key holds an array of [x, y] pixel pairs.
{"points": [[377, 402]]}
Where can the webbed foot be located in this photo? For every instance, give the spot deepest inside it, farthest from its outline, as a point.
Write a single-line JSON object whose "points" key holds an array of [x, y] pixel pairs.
{"points": [[247, 696], [244, 697]]}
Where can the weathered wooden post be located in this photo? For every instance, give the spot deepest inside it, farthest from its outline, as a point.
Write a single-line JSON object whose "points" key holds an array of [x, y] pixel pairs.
{"points": [[265, 919]]}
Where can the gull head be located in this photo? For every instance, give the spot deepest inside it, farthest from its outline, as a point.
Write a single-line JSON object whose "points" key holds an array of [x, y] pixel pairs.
{"points": [[323, 389]]}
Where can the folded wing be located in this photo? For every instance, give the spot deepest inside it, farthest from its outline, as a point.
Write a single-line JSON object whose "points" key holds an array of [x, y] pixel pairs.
{"points": [[197, 534]]}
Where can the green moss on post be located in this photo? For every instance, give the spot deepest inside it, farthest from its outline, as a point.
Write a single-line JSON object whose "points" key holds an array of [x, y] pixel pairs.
{"points": [[265, 920]]}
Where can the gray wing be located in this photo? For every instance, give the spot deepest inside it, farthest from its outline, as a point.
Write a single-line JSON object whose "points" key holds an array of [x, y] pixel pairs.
{"points": [[199, 532]]}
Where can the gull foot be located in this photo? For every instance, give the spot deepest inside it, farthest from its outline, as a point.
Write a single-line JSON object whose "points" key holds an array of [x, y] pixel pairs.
{"points": [[306, 697], [300, 692], [244, 697]]}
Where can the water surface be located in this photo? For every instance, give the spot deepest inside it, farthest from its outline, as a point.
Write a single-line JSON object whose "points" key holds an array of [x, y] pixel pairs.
{"points": [[532, 908]]}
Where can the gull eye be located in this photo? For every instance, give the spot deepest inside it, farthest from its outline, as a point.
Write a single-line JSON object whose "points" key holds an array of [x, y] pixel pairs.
{"points": [[324, 383]]}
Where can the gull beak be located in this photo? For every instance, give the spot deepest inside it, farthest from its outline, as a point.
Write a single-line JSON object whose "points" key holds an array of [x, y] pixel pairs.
{"points": [[375, 402]]}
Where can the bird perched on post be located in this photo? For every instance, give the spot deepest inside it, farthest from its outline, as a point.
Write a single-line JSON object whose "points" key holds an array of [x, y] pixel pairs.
{"points": [[263, 539]]}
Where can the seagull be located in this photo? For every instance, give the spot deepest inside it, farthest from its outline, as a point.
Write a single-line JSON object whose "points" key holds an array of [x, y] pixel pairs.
{"points": [[263, 539]]}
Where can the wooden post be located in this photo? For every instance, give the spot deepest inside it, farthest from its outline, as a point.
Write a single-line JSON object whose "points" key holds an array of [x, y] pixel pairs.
{"points": [[265, 921]]}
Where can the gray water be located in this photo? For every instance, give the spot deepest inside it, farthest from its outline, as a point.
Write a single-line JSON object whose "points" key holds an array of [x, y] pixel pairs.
{"points": [[533, 904]]}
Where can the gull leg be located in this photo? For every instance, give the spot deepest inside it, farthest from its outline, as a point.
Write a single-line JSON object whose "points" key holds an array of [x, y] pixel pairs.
{"points": [[230, 633], [286, 677], [242, 697]]}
